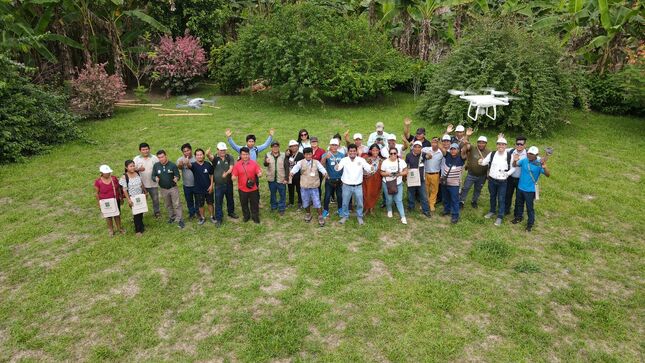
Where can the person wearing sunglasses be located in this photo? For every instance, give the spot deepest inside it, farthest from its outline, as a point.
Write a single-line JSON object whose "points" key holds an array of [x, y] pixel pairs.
{"points": [[394, 169], [513, 180], [499, 170], [353, 167], [303, 140]]}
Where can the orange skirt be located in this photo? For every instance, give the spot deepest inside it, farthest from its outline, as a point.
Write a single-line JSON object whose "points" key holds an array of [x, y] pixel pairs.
{"points": [[371, 190]]}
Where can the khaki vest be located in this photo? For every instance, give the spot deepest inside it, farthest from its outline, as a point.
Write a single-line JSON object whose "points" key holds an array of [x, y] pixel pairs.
{"points": [[272, 167], [306, 180]]}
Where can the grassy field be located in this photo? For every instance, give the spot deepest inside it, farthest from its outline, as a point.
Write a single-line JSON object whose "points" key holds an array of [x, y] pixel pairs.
{"points": [[572, 290]]}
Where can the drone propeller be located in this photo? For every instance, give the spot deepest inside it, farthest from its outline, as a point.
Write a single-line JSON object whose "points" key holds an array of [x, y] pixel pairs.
{"points": [[494, 92], [510, 98], [455, 92]]}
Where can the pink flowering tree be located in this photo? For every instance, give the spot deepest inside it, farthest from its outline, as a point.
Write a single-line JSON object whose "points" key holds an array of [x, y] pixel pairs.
{"points": [[178, 63], [94, 91]]}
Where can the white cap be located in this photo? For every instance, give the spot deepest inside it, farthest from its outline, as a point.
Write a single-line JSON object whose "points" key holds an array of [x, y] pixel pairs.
{"points": [[334, 142], [105, 169], [379, 126], [482, 138], [460, 128], [501, 140], [391, 137], [533, 150], [445, 137], [417, 143], [293, 142], [358, 136], [221, 146]]}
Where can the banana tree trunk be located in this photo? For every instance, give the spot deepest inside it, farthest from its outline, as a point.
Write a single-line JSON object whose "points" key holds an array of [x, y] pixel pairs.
{"points": [[424, 40], [372, 16]]}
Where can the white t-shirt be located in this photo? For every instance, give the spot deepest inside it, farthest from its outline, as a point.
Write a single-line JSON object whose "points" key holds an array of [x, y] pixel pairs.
{"points": [[393, 166], [146, 175], [385, 151], [353, 170], [518, 171]]}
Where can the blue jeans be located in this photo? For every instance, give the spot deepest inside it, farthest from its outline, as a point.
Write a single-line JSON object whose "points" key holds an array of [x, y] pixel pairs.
{"points": [[478, 182], [281, 189], [220, 192], [331, 189], [190, 200], [418, 192], [521, 198], [497, 190], [397, 198], [356, 192], [451, 200]]}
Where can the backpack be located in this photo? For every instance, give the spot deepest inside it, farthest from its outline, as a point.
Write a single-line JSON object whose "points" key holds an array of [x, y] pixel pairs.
{"points": [[127, 183], [509, 156]]}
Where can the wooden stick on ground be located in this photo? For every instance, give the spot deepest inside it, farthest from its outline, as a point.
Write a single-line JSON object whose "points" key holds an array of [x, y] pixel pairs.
{"points": [[169, 109], [126, 100], [140, 104], [217, 107], [184, 114]]}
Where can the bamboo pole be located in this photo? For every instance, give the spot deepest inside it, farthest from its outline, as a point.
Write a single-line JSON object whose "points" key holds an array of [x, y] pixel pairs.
{"points": [[140, 104], [184, 114], [216, 107], [169, 109], [126, 100]]}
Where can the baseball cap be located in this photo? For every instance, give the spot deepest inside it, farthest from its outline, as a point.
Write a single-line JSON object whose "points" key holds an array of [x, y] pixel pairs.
{"points": [[358, 136], [379, 126], [533, 150], [275, 143], [293, 142], [460, 128], [417, 143], [454, 145], [314, 138], [501, 140], [445, 137], [391, 137], [105, 169], [421, 130], [221, 146], [333, 142], [482, 138]]}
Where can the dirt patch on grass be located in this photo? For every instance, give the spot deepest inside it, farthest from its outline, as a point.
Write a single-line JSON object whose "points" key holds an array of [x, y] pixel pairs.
{"points": [[128, 290], [163, 275], [378, 271], [474, 352], [36, 355], [276, 280], [479, 320], [331, 341], [4, 201], [262, 305], [167, 323]]}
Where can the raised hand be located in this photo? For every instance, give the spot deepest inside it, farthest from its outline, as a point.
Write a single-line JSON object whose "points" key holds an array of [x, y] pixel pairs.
{"points": [[469, 131], [516, 157], [449, 129], [228, 133], [271, 131], [346, 134], [208, 152], [500, 135], [407, 121]]}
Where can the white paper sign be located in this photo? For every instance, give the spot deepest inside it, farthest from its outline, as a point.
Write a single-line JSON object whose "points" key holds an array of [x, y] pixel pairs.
{"points": [[414, 178], [537, 192], [139, 204], [109, 208]]}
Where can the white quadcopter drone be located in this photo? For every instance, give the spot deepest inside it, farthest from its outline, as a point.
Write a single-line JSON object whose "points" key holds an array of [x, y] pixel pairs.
{"points": [[195, 103], [482, 103]]}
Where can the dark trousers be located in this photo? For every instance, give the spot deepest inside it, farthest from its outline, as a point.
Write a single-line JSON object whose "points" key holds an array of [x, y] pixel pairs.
{"points": [[418, 192], [230, 201], [138, 222], [440, 193], [250, 205], [295, 186], [277, 188], [451, 200], [335, 190], [220, 192], [189, 194], [497, 190], [472, 180], [511, 187], [527, 198]]}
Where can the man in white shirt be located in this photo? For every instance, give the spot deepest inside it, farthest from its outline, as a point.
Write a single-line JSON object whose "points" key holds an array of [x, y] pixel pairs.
{"points": [[378, 134], [353, 167], [144, 164], [499, 169], [391, 142], [514, 179]]}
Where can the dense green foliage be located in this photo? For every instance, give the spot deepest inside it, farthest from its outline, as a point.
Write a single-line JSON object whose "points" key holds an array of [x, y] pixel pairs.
{"points": [[507, 57], [31, 119], [308, 52]]}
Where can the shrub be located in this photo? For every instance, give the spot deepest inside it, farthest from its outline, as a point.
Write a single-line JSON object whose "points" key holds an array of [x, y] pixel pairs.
{"points": [[223, 68], [179, 63], [619, 93], [94, 92], [31, 119], [505, 56], [307, 51]]}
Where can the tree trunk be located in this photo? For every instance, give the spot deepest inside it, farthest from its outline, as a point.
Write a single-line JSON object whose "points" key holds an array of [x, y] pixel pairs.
{"points": [[372, 13], [406, 38], [64, 54], [424, 40]]}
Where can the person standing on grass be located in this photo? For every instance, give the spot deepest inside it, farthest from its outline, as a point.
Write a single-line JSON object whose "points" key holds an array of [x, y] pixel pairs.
{"points": [[445, 148], [433, 156], [394, 169], [333, 184], [246, 172], [353, 167], [292, 156], [419, 136], [391, 143], [451, 170], [415, 163], [188, 180], [531, 169], [372, 181], [107, 187], [132, 184], [309, 170], [318, 152], [460, 134], [254, 150], [476, 173], [499, 169], [378, 134], [277, 174], [303, 140], [223, 185], [363, 150], [144, 162], [166, 173], [514, 179], [203, 174]]}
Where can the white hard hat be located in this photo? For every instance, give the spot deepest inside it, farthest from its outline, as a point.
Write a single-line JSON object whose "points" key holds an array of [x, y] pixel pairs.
{"points": [[391, 137], [501, 140], [533, 150], [358, 136], [379, 126], [417, 143], [105, 169], [221, 146], [460, 128], [482, 138], [445, 137], [334, 142], [293, 142]]}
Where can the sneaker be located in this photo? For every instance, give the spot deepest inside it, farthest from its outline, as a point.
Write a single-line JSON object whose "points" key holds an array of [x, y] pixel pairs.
{"points": [[404, 221], [256, 221], [157, 215], [246, 219], [427, 214], [201, 221], [321, 221], [445, 213], [516, 220], [389, 214], [213, 220], [340, 212], [233, 216], [182, 224], [343, 220], [498, 222], [360, 221], [461, 205], [171, 221], [454, 220], [489, 215], [191, 217], [281, 212], [474, 205], [528, 228], [218, 224], [325, 214], [308, 217]]}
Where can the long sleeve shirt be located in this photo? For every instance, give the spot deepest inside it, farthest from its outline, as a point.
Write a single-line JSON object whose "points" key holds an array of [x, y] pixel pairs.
{"points": [[255, 150], [353, 169], [499, 168]]}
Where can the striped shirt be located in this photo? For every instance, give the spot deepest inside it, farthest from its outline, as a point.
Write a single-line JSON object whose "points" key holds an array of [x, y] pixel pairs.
{"points": [[457, 164]]}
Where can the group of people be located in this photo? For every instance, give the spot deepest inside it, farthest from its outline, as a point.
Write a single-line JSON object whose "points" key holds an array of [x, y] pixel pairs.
{"points": [[355, 175]]}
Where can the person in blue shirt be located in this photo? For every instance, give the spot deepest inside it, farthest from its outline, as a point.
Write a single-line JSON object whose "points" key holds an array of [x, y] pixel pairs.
{"points": [[250, 143], [531, 169], [333, 185], [203, 177]]}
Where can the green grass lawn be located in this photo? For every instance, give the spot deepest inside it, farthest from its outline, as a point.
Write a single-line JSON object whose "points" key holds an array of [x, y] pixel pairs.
{"points": [[572, 290]]}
